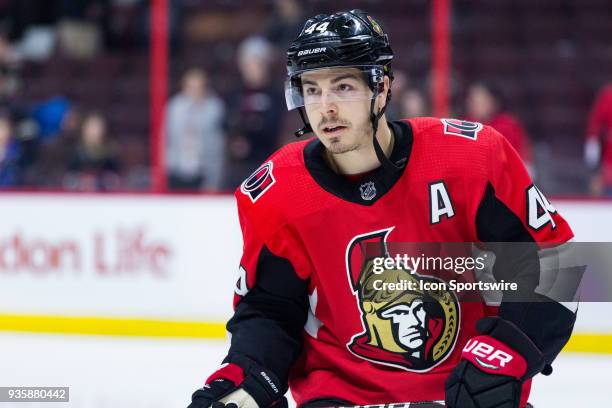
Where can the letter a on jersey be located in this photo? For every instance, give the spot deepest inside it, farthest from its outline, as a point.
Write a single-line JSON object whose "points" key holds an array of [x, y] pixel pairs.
{"points": [[440, 203]]}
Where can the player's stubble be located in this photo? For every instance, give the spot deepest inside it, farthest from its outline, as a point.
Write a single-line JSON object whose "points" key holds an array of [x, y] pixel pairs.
{"points": [[352, 140]]}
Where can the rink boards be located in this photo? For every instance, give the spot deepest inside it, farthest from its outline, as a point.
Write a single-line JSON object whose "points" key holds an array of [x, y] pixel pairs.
{"points": [[164, 266]]}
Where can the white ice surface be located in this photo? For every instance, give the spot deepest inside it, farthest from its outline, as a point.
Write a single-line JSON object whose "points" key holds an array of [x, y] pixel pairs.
{"points": [[106, 372]]}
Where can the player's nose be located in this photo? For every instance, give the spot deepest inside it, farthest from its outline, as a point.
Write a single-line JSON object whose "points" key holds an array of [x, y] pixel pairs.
{"points": [[328, 102]]}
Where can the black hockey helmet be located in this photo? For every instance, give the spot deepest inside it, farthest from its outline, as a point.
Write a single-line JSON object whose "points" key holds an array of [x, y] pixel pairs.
{"points": [[346, 38], [343, 39]]}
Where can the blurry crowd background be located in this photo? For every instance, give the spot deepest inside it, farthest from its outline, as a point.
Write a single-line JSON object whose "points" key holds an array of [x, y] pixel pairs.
{"points": [[74, 86]]}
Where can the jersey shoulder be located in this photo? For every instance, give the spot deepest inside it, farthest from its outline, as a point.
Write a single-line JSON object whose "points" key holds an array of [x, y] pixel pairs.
{"points": [[457, 146], [454, 131], [277, 190]]}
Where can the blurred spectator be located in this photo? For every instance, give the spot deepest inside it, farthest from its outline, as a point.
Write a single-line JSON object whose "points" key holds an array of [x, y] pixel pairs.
{"points": [[285, 22], [194, 135], [51, 158], [9, 154], [82, 26], [93, 164], [9, 65], [50, 115], [413, 104], [598, 147], [256, 111], [38, 43], [78, 39], [406, 101], [485, 104]]}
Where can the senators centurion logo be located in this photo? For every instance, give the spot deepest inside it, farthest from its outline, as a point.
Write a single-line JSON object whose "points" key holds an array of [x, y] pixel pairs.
{"points": [[414, 330]]}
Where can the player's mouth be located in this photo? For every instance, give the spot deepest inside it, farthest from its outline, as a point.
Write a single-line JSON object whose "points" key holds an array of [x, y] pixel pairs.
{"points": [[333, 129]]}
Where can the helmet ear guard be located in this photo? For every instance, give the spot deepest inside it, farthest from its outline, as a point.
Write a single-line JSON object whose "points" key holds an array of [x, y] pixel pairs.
{"points": [[376, 80]]}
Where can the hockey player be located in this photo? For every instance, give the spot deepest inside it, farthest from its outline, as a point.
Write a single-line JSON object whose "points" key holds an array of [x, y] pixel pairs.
{"points": [[307, 315]]}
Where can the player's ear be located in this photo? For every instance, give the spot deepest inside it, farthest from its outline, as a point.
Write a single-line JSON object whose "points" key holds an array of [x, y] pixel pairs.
{"points": [[387, 83], [382, 97]]}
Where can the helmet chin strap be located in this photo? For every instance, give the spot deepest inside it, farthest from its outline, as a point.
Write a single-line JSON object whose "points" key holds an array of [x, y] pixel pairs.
{"points": [[307, 128], [374, 118]]}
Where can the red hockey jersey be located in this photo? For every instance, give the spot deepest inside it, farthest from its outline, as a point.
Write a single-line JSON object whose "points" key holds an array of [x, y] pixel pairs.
{"points": [[301, 309]]}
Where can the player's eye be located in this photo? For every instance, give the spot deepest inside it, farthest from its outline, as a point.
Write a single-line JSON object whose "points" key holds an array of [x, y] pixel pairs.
{"points": [[345, 87], [311, 91]]}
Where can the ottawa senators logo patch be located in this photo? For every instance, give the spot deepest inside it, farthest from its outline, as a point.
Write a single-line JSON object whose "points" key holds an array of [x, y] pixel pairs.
{"points": [[461, 128], [258, 182], [412, 329]]}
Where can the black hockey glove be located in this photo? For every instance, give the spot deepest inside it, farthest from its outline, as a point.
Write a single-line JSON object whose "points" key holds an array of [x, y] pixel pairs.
{"points": [[494, 367], [236, 386]]}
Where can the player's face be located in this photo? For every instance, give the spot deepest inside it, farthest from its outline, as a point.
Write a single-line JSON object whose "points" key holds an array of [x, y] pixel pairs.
{"points": [[337, 103]]}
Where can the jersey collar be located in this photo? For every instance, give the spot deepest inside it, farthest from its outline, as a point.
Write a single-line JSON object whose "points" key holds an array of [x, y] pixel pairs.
{"points": [[370, 189]]}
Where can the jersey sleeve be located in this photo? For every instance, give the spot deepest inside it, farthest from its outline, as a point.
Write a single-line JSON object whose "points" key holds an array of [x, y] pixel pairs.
{"points": [[530, 216], [513, 210], [270, 306]]}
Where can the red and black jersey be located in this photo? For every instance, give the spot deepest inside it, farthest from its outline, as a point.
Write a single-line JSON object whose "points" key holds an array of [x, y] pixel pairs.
{"points": [[301, 309], [513, 130]]}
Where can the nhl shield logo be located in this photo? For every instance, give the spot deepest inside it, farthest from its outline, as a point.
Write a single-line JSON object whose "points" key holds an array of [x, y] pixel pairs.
{"points": [[368, 191]]}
